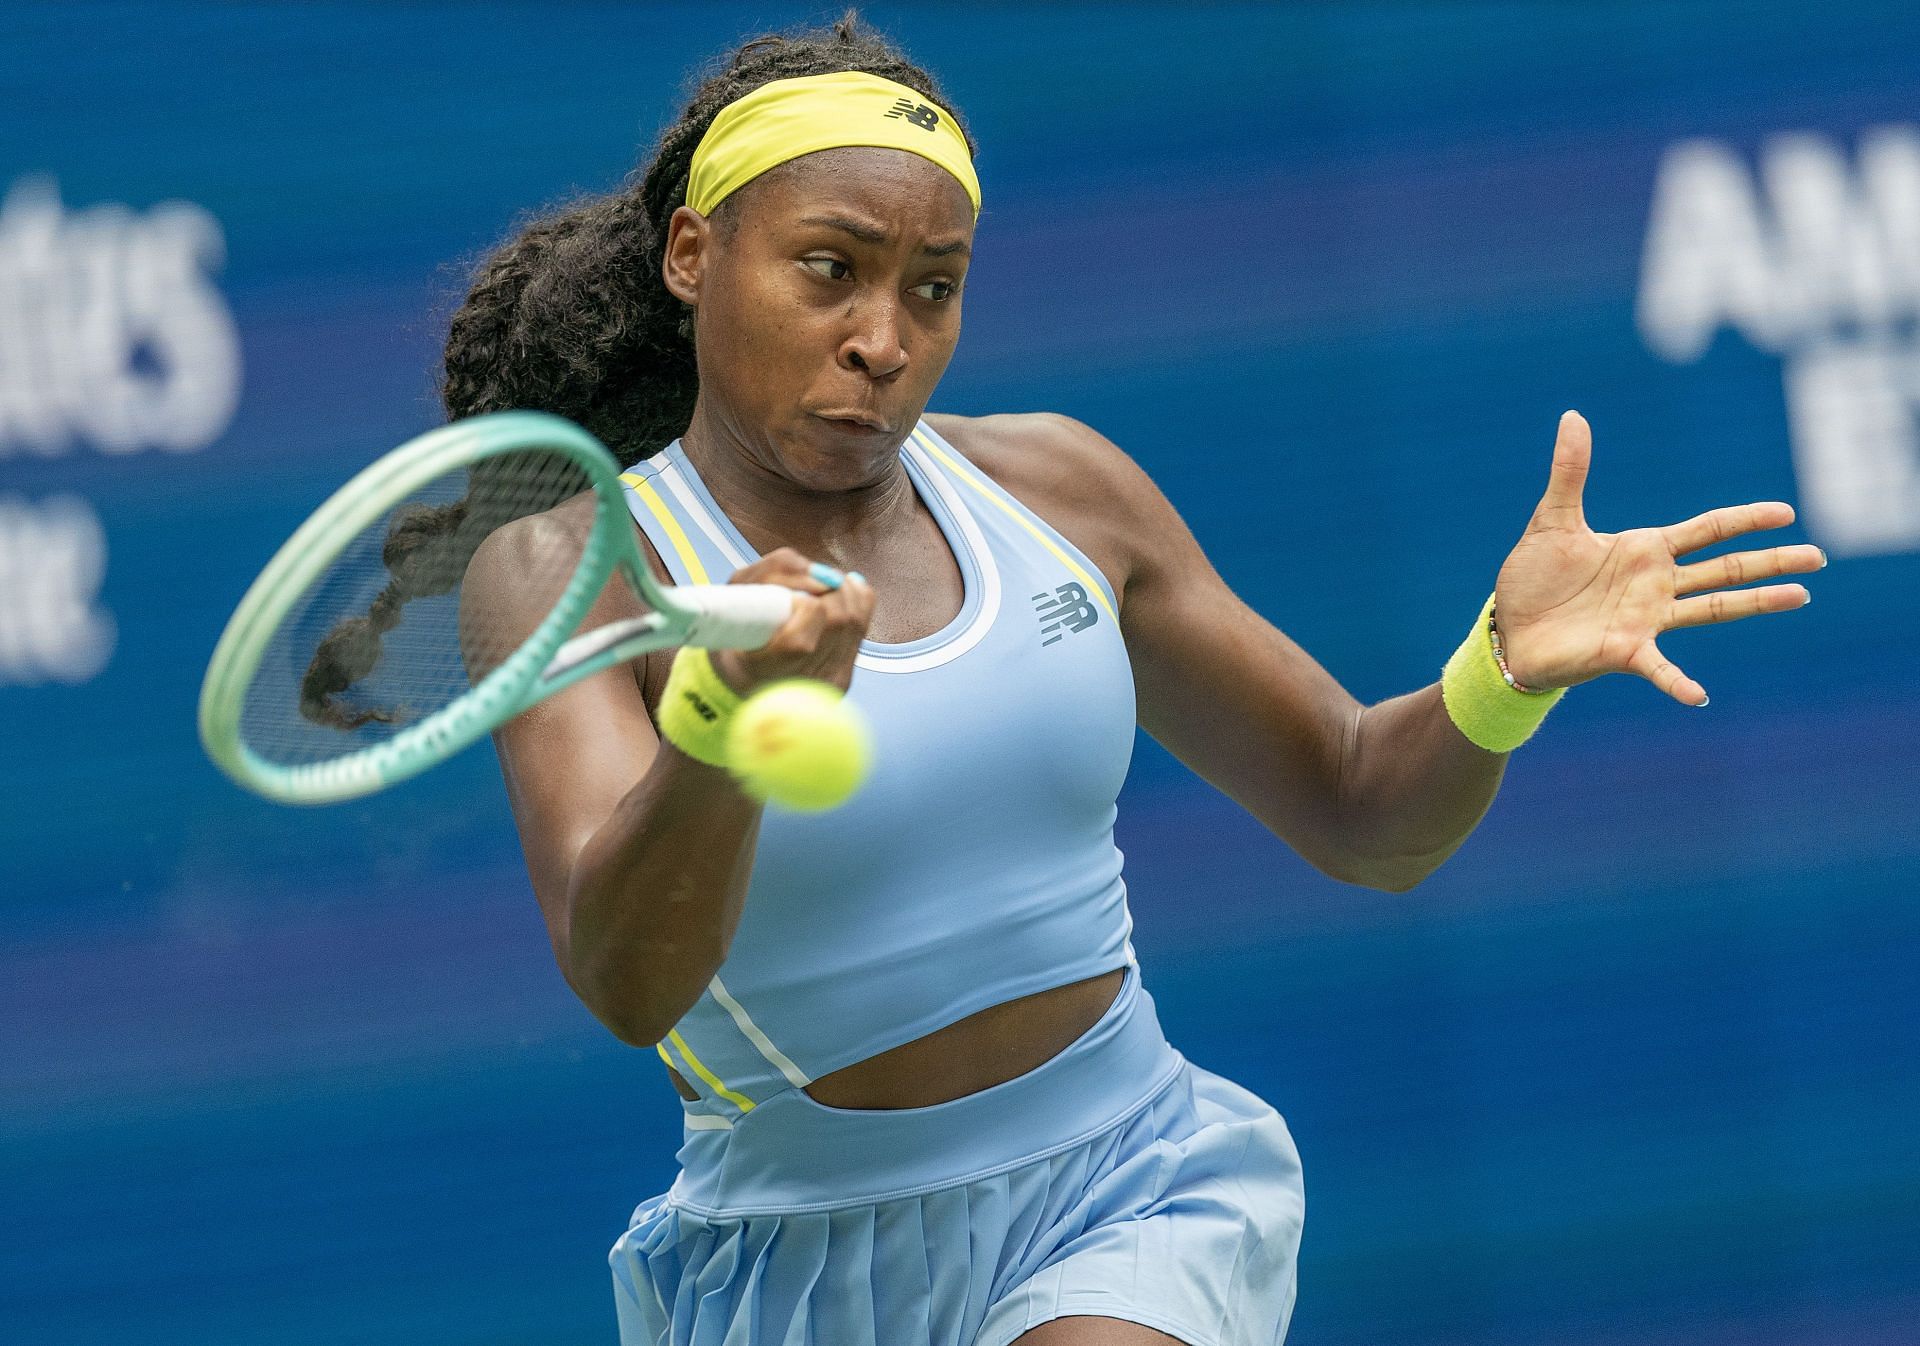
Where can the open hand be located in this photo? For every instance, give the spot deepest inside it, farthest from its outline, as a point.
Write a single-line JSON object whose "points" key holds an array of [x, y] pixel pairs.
{"points": [[1572, 604]]}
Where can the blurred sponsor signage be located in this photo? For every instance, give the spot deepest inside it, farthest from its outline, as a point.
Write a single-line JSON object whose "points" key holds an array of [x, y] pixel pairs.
{"points": [[114, 338], [1815, 258]]}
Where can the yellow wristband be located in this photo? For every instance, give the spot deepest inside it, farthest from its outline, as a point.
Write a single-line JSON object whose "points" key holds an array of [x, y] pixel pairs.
{"points": [[1491, 714], [696, 709]]}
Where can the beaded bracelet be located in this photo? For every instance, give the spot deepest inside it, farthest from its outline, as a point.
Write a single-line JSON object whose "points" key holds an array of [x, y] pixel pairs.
{"points": [[1500, 658], [1482, 697]]}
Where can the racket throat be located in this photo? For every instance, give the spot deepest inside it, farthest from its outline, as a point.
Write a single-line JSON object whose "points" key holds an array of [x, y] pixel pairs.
{"points": [[604, 645]]}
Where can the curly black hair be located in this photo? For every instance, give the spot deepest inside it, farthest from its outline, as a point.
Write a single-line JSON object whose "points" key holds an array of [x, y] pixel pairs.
{"points": [[571, 315]]}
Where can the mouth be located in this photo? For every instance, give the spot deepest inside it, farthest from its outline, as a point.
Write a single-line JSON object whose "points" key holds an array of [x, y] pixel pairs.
{"points": [[854, 422]]}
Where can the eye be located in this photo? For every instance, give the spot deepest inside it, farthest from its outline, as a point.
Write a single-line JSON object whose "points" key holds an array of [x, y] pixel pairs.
{"points": [[947, 290], [830, 261]]}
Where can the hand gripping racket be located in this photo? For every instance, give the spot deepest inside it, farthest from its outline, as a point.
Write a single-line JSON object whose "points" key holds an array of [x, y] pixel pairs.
{"points": [[353, 662]]}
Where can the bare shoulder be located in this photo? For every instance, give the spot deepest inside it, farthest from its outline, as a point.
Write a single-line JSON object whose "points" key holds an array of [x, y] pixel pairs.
{"points": [[1041, 450], [520, 570], [1069, 474], [526, 563]]}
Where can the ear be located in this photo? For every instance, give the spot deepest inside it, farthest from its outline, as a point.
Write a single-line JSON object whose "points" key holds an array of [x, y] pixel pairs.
{"points": [[689, 235]]}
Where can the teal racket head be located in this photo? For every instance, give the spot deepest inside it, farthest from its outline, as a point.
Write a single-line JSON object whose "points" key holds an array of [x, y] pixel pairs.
{"points": [[350, 665]]}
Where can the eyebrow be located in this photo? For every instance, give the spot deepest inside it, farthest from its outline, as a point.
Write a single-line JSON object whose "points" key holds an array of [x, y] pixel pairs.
{"points": [[868, 234]]}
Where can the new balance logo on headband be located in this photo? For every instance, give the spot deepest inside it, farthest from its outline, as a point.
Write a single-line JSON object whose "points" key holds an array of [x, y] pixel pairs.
{"points": [[919, 114], [1066, 606]]}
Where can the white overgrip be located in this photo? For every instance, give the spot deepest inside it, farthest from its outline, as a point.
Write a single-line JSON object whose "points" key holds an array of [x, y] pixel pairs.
{"points": [[732, 616]]}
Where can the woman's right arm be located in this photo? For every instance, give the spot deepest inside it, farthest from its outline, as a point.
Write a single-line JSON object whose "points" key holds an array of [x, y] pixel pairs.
{"points": [[640, 855]]}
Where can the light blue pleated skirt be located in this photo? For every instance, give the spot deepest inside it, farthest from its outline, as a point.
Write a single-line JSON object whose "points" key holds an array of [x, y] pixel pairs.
{"points": [[1116, 1179]]}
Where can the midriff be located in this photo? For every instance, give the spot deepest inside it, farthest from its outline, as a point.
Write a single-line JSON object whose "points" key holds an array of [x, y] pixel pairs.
{"points": [[986, 1048]]}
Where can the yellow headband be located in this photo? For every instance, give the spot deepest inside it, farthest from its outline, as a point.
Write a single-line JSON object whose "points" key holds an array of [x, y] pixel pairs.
{"points": [[786, 118]]}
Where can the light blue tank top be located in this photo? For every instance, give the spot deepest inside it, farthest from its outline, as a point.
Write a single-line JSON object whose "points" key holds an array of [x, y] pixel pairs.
{"points": [[976, 864]]}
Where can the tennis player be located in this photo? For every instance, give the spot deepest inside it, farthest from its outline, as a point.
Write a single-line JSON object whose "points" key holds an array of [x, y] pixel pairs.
{"points": [[927, 1099]]}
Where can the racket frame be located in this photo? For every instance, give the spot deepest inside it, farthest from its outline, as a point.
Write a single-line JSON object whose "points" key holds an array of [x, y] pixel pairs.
{"points": [[544, 663]]}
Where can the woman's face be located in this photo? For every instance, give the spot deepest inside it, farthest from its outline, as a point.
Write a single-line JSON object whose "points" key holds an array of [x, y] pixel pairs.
{"points": [[835, 288]]}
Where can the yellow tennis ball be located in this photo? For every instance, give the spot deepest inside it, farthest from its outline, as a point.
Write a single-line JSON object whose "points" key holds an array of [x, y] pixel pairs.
{"points": [[799, 744]]}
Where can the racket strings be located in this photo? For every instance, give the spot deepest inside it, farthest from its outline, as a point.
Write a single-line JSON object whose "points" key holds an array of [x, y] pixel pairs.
{"points": [[385, 636]]}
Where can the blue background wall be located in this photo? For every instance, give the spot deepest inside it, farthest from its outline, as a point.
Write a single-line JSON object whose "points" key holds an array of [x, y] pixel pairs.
{"points": [[1638, 1065]]}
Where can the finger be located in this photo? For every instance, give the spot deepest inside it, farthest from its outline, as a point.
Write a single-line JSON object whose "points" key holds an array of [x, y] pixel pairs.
{"points": [[860, 597], [838, 604], [1738, 603], [791, 567], [1717, 525], [1572, 452], [780, 561], [850, 609], [1663, 673], [800, 633], [1739, 567], [826, 576], [784, 565], [798, 580]]}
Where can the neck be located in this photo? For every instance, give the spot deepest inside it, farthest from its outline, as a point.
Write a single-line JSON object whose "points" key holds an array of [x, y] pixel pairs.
{"points": [[832, 511]]}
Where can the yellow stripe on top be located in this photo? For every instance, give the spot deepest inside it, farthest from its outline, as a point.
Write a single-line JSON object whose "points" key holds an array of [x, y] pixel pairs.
{"points": [[699, 1068], [675, 534], [740, 1101], [1087, 581], [698, 574]]}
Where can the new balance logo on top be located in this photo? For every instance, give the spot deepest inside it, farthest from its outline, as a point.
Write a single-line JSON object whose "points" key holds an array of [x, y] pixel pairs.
{"points": [[919, 114], [1067, 606]]}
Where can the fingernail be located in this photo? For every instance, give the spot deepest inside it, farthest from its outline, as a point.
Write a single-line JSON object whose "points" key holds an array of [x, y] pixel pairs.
{"points": [[826, 575], [1704, 700], [856, 575], [1823, 558], [1808, 599]]}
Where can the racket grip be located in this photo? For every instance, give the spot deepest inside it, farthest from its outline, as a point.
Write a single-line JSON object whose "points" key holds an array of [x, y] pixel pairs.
{"points": [[733, 616]]}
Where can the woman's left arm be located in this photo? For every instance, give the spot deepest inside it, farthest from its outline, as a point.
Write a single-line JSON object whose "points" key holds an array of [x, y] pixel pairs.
{"points": [[1381, 795]]}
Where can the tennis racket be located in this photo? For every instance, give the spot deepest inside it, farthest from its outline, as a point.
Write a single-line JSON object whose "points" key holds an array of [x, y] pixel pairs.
{"points": [[356, 660]]}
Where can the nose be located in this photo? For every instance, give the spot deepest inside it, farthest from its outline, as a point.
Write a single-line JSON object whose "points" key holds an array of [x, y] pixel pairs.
{"points": [[873, 344]]}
